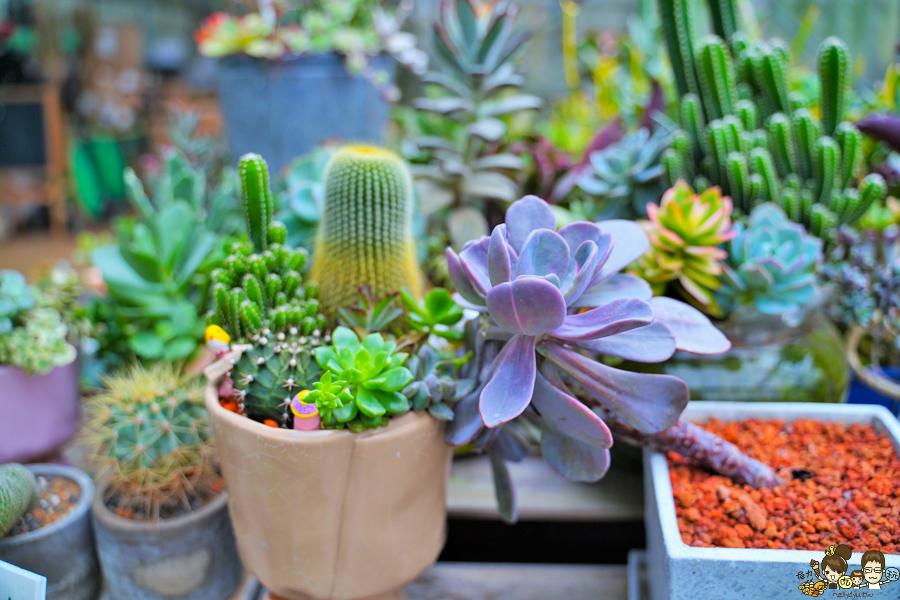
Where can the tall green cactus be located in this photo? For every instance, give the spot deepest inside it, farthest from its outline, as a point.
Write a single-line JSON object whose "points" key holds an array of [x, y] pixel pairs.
{"points": [[17, 487], [262, 302], [724, 18], [750, 136], [365, 237], [834, 68]]}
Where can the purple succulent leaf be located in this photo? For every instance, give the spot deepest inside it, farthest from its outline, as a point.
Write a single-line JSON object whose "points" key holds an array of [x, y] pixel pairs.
{"points": [[649, 403], [508, 446], [650, 344], [629, 244], [609, 319], [693, 331], [461, 280], [474, 260], [580, 232], [499, 263], [884, 127], [587, 261], [467, 422], [528, 306], [572, 458], [569, 415], [507, 503], [458, 298], [544, 252], [511, 386], [526, 215], [616, 287]]}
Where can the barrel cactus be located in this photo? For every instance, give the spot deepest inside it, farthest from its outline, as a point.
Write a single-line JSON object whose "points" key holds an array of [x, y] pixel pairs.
{"points": [[17, 487], [771, 264], [149, 433], [743, 130], [685, 233], [262, 302], [365, 236]]}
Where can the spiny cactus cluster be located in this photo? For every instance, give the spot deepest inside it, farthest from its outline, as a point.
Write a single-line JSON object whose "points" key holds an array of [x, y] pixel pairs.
{"points": [[262, 302], [365, 236], [685, 233], [149, 433], [744, 131], [17, 487]]}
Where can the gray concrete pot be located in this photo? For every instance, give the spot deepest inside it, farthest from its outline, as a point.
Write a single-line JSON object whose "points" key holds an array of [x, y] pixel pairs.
{"points": [[192, 557], [64, 551], [681, 572], [282, 109]]}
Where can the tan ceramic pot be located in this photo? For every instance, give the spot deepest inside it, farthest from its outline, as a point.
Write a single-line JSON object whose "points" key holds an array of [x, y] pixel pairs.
{"points": [[334, 515]]}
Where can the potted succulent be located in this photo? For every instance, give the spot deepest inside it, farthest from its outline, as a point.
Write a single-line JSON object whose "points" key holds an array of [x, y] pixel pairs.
{"points": [[160, 514], [759, 279], [348, 499], [329, 63], [864, 270], [45, 527], [38, 374]]}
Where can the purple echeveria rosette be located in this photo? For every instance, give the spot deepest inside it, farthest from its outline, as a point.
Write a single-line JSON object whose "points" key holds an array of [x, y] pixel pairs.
{"points": [[551, 295]]}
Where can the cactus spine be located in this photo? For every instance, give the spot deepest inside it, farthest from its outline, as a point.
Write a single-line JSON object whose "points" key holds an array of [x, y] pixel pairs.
{"points": [[749, 135], [17, 486], [365, 237]]}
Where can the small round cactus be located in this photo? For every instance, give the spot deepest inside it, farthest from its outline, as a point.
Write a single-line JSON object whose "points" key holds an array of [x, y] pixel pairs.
{"points": [[365, 237], [17, 487], [149, 433]]}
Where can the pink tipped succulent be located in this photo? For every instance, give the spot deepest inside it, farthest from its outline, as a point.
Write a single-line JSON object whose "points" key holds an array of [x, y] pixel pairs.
{"points": [[685, 232]]}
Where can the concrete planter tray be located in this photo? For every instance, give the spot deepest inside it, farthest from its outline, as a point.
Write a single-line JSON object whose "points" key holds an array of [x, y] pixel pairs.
{"points": [[681, 572]]}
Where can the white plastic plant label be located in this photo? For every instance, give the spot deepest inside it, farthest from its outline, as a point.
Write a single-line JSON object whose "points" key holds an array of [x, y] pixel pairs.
{"points": [[19, 584]]}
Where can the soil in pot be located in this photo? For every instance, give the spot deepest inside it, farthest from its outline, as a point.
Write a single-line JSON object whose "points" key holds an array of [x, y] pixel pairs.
{"points": [[127, 508], [59, 495], [842, 486]]}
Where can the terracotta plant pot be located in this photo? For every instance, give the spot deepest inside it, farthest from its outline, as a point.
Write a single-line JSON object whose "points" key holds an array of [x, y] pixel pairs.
{"points": [[63, 551], [38, 413], [191, 557], [334, 515]]}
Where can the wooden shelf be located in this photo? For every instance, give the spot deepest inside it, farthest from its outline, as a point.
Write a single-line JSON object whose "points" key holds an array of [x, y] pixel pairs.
{"points": [[481, 581], [543, 494]]}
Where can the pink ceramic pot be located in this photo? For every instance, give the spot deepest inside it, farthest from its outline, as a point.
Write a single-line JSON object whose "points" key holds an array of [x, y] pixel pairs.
{"points": [[38, 413]]}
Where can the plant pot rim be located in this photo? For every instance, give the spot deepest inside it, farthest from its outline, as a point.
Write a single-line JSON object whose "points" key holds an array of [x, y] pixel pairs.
{"points": [[656, 469], [88, 493], [215, 409], [111, 520], [8, 367], [288, 59]]}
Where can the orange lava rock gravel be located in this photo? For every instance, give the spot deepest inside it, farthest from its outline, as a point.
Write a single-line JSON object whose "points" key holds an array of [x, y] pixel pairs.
{"points": [[842, 486]]}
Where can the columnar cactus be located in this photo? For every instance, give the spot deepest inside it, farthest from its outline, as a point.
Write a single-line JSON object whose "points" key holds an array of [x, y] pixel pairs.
{"points": [[365, 237], [743, 131], [262, 302], [149, 432], [17, 487]]}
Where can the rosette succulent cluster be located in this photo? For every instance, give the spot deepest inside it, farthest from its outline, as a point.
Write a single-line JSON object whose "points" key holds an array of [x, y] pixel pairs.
{"points": [[686, 231], [553, 298], [771, 264]]}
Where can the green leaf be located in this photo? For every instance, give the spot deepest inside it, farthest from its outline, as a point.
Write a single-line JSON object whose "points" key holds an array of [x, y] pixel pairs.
{"points": [[343, 337], [146, 265], [393, 402], [368, 403], [117, 272], [327, 358], [362, 361], [392, 380], [146, 344], [438, 302], [374, 343], [370, 422], [398, 359], [174, 229], [348, 412], [411, 303], [511, 104], [452, 335], [198, 253], [180, 348]]}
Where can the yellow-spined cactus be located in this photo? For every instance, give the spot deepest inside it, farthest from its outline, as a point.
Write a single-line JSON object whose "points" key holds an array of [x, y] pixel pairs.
{"points": [[365, 237]]}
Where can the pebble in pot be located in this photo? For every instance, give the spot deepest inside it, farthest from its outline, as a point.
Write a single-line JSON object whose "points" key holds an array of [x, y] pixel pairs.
{"points": [[47, 510], [161, 516]]}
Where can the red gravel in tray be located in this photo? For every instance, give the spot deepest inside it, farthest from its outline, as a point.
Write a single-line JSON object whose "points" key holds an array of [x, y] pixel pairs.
{"points": [[842, 487], [58, 496]]}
